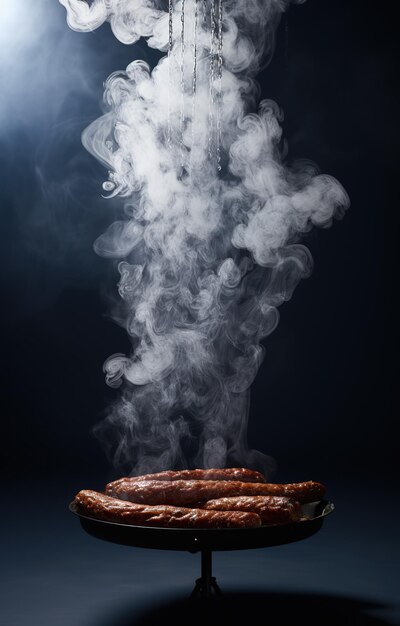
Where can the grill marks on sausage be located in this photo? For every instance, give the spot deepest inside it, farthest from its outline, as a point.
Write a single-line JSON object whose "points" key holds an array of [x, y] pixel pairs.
{"points": [[188, 492], [109, 509], [271, 509], [232, 473]]}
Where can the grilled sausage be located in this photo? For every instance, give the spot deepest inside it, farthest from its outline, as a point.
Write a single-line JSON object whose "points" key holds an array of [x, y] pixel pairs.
{"points": [[188, 492], [231, 473], [271, 509], [100, 506]]}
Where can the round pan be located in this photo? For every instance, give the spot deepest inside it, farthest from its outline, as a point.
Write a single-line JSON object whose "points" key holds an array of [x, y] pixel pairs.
{"points": [[195, 540]]}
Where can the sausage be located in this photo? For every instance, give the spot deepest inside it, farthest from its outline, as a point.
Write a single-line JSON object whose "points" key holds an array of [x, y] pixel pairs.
{"points": [[188, 492], [106, 508], [271, 509], [231, 473]]}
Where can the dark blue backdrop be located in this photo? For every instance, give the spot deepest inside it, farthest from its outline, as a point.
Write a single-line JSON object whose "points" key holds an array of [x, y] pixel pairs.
{"points": [[324, 403], [321, 400]]}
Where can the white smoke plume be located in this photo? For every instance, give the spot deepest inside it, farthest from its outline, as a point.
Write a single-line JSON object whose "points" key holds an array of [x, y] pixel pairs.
{"points": [[208, 245]]}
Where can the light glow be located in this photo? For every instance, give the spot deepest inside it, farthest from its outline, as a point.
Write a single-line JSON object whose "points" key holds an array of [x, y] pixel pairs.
{"points": [[20, 25]]}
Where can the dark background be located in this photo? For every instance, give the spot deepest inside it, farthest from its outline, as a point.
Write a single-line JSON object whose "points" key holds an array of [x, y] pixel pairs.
{"points": [[324, 404]]}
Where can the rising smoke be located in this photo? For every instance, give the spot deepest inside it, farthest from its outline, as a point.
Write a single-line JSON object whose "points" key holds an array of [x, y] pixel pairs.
{"points": [[208, 245]]}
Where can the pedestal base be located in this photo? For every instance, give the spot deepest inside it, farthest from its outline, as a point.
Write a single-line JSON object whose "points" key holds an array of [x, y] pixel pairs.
{"points": [[206, 586]]}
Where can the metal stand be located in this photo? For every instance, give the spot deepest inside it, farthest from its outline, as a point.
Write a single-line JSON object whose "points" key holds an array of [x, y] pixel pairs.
{"points": [[206, 586]]}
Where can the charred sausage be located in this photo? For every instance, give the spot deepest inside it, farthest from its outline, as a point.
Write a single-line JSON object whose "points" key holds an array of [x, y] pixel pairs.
{"points": [[188, 492], [231, 473], [106, 508], [271, 509]]}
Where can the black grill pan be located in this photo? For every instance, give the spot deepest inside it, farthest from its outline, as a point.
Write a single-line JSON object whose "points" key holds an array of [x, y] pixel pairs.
{"points": [[206, 540]]}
